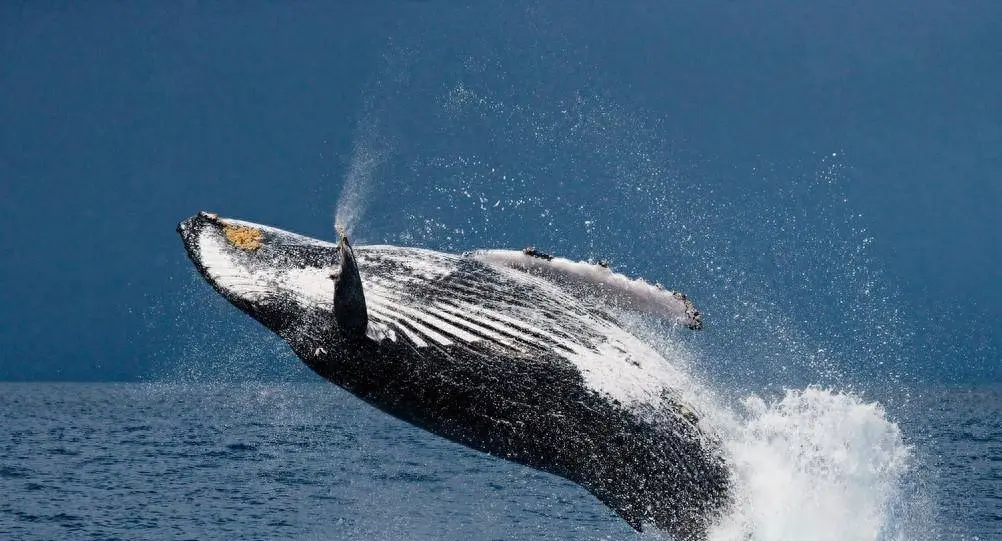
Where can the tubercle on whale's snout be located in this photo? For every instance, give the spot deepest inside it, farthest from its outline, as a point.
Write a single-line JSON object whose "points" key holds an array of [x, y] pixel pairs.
{"points": [[237, 236], [233, 257], [189, 228], [244, 237]]}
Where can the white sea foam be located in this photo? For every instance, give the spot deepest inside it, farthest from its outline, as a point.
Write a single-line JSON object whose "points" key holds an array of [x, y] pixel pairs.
{"points": [[812, 465]]}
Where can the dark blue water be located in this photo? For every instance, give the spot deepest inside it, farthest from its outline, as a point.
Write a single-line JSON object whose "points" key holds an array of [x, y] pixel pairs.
{"points": [[308, 461], [128, 461]]}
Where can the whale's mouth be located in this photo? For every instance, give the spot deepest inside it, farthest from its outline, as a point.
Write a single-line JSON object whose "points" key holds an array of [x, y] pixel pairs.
{"points": [[228, 255], [271, 274]]}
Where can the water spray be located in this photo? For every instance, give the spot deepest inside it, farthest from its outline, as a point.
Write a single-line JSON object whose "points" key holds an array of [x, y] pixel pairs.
{"points": [[368, 155]]}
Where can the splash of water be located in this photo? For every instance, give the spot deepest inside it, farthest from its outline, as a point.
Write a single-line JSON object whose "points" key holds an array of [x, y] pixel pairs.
{"points": [[808, 462], [814, 464]]}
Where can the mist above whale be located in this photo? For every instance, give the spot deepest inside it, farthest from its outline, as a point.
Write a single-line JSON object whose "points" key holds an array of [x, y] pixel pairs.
{"points": [[517, 354]]}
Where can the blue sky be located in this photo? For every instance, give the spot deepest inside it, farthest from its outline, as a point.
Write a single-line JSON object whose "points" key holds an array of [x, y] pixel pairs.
{"points": [[118, 121]]}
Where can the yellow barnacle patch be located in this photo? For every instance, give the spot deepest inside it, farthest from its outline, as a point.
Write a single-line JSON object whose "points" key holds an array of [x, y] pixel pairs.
{"points": [[243, 237]]}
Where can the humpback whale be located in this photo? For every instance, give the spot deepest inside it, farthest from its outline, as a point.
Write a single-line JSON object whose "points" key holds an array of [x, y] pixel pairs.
{"points": [[518, 354]]}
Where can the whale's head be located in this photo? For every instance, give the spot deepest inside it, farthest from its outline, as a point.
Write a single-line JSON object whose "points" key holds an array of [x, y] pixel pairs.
{"points": [[305, 290]]}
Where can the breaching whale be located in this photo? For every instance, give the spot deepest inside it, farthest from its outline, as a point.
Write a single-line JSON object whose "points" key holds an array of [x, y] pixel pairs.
{"points": [[514, 353]]}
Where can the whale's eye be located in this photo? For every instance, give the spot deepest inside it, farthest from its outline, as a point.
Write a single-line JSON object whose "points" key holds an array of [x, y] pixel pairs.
{"points": [[243, 237]]}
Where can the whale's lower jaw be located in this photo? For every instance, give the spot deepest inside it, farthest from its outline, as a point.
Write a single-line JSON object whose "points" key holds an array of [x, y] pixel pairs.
{"points": [[497, 359]]}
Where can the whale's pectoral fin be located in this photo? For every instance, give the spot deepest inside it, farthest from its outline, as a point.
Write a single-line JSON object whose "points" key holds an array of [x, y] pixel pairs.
{"points": [[599, 280], [349, 298]]}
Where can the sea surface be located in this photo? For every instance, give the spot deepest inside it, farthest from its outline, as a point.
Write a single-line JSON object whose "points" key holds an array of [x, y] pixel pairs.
{"points": [[309, 461]]}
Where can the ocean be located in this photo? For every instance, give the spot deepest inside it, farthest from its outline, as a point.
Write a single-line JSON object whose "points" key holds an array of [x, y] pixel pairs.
{"points": [[309, 461]]}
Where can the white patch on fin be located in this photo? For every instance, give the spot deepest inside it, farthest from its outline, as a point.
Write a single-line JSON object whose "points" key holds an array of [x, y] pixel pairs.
{"points": [[598, 280]]}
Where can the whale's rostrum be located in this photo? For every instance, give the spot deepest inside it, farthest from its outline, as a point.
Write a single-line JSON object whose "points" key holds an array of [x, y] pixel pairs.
{"points": [[510, 353]]}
